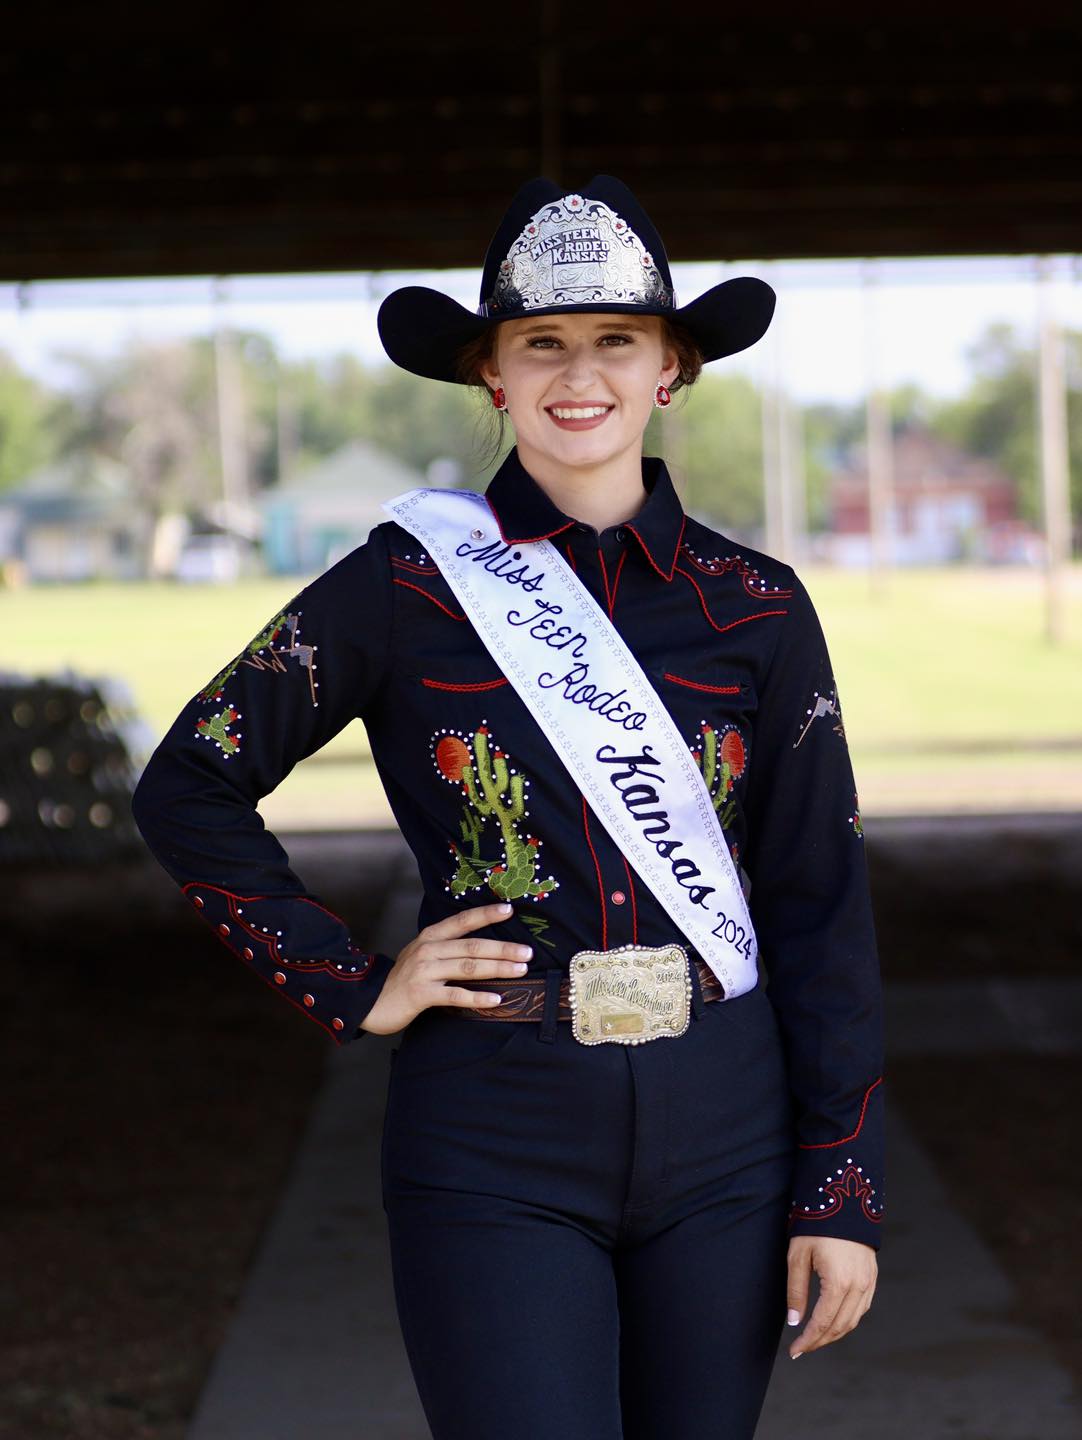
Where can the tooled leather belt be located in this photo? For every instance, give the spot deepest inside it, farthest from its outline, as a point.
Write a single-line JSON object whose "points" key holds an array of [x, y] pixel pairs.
{"points": [[524, 999]]}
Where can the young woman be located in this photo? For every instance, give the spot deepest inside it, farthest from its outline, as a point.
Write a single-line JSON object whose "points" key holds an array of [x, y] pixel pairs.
{"points": [[602, 1200]]}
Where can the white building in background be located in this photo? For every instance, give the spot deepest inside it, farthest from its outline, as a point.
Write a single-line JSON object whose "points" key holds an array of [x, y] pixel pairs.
{"points": [[324, 511], [73, 520]]}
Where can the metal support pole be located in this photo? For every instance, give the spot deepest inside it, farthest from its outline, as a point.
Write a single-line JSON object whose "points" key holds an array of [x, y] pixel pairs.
{"points": [[231, 447], [879, 443], [1055, 487]]}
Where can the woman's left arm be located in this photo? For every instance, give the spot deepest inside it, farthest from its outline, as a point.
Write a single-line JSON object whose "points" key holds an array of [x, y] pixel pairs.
{"points": [[811, 907]]}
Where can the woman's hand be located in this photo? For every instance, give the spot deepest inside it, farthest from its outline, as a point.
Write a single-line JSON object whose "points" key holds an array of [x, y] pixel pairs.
{"points": [[847, 1271], [441, 952]]}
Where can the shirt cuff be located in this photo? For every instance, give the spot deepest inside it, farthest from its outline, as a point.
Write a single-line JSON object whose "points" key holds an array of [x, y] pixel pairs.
{"points": [[837, 1188], [301, 949]]}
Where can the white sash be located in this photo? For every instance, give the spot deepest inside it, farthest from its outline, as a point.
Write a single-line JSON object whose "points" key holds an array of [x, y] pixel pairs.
{"points": [[599, 712]]}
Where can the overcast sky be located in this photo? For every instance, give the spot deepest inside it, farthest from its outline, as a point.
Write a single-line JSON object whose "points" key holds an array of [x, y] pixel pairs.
{"points": [[929, 311]]}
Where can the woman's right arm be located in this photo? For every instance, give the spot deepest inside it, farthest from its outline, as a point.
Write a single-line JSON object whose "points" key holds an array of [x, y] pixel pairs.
{"points": [[314, 666]]}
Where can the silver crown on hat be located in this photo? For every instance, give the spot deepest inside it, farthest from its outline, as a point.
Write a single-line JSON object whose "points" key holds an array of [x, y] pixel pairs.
{"points": [[577, 252]]}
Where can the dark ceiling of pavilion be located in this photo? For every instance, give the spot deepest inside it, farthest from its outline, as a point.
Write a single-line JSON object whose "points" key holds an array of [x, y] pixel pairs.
{"points": [[214, 139]]}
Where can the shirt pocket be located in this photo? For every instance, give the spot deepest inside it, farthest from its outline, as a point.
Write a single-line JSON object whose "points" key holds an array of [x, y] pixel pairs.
{"points": [[700, 694], [708, 705], [466, 674]]}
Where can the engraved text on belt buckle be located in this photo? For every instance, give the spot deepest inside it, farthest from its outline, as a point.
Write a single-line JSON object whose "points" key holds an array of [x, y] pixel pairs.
{"points": [[629, 995]]}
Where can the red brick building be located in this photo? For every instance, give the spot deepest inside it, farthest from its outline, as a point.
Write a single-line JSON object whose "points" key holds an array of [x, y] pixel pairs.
{"points": [[947, 505]]}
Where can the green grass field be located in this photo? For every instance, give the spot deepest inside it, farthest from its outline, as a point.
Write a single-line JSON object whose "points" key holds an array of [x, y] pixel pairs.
{"points": [[953, 698]]}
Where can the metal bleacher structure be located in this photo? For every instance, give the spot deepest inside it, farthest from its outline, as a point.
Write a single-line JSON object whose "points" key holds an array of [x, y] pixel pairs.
{"points": [[206, 139], [66, 771]]}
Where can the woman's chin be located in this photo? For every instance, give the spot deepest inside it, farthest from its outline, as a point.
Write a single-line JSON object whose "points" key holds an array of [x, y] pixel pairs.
{"points": [[582, 447]]}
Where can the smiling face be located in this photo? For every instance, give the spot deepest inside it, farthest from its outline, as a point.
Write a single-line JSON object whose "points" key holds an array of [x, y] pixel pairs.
{"points": [[580, 388]]}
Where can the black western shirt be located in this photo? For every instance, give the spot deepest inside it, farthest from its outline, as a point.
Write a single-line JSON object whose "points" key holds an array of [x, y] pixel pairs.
{"points": [[728, 637]]}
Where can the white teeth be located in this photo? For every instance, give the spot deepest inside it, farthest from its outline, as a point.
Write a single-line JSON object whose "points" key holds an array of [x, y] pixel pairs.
{"points": [[580, 412]]}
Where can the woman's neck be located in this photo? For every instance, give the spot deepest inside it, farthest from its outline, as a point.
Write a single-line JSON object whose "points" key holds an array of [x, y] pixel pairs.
{"points": [[598, 495]]}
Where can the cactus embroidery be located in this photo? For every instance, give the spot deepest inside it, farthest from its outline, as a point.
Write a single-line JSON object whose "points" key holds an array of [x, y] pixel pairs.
{"points": [[722, 758], [537, 924], [493, 790], [261, 653], [216, 730]]}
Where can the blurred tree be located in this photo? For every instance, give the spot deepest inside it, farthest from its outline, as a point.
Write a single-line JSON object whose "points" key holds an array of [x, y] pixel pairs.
{"points": [[997, 416], [334, 401], [712, 437], [829, 431], [25, 436], [156, 406], [147, 406]]}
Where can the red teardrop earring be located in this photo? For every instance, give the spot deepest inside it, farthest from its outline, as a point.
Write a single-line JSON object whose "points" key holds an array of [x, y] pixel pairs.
{"points": [[499, 399], [662, 396]]}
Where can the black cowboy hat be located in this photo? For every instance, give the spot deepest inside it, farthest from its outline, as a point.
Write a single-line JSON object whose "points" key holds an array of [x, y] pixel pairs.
{"points": [[556, 253]]}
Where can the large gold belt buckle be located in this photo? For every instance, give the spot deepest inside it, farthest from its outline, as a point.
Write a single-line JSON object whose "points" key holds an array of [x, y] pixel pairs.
{"points": [[629, 995]]}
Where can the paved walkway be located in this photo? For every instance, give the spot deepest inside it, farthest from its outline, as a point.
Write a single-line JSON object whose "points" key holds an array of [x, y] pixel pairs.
{"points": [[314, 1348]]}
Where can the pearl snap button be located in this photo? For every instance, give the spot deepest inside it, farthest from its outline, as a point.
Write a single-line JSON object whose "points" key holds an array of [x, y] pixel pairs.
{"points": [[309, 999], [621, 534], [279, 978], [617, 897], [338, 1024], [248, 955], [223, 929]]}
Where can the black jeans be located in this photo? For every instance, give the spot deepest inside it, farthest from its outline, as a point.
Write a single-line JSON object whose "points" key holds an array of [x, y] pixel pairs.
{"points": [[590, 1241]]}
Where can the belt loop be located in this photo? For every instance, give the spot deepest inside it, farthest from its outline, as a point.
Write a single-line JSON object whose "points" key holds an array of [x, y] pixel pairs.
{"points": [[698, 1004], [553, 976]]}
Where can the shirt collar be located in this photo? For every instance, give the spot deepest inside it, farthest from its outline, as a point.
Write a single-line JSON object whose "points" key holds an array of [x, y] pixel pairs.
{"points": [[524, 512]]}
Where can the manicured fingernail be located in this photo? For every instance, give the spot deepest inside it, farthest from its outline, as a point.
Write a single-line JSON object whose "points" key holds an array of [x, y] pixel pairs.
{"points": [[526, 950], [793, 1318], [505, 907], [797, 1355], [494, 999], [520, 966]]}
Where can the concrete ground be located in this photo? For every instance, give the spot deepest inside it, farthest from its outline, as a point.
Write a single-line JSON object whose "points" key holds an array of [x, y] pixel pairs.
{"points": [[314, 1348]]}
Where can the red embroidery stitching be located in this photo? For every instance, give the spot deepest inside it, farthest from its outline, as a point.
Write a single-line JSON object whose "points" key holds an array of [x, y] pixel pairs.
{"points": [[829, 1144], [634, 909], [571, 557], [696, 685], [412, 565], [615, 583], [427, 596], [732, 623], [847, 1184], [474, 685], [610, 598], [679, 542], [600, 887], [745, 571], [651, 559], [605, 579], [306, 967], [524, 539]]}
